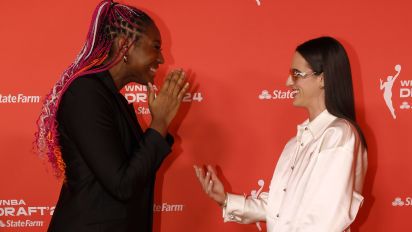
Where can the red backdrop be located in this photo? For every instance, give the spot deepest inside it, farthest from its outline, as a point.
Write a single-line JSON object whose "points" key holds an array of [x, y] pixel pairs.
{"points": [[234, 51]]}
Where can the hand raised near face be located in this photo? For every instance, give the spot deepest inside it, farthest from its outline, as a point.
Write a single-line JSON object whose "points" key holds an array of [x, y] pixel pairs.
{"points": [[165, 105]]}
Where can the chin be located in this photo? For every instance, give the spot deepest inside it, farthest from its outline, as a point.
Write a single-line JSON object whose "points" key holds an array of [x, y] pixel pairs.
{"points": [[145, 81], [296, 103], [149, 79]]}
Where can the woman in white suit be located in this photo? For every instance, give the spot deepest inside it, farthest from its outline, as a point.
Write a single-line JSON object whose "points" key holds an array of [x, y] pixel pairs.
{"points": [[317, 183]]}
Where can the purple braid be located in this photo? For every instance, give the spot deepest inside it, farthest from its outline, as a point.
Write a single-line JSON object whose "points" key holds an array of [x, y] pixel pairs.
{"points": [[109, 20]]}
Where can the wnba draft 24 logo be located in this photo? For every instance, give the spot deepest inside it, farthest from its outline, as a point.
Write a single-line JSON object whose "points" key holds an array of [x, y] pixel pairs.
{"points": [[405, 92], [136, 93]]}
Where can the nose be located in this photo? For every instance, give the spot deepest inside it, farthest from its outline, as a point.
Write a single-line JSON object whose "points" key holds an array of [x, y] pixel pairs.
{"points": [[289, 81], [160, 58]]}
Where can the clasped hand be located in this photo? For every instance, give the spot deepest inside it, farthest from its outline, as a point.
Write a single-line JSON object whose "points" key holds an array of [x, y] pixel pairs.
{"points": [[165, 105]]}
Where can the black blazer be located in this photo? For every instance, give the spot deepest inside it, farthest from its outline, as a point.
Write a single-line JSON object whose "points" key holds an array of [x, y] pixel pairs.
{"points": [[111, 163]]}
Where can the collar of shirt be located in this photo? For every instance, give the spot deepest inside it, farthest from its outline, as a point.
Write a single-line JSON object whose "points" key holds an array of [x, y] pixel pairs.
{"points": [[317, 126]]}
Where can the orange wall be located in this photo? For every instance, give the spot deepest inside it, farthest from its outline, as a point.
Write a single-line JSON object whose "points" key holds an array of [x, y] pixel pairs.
{"points": [[234, 49]]}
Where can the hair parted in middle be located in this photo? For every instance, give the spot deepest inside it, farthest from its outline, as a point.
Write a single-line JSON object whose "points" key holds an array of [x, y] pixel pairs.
{"points": [[327, 56]]}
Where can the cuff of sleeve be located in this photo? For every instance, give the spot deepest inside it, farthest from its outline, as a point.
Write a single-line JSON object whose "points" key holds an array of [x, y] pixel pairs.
{"points": [[169, 139], [160, 143], [234, 207]]}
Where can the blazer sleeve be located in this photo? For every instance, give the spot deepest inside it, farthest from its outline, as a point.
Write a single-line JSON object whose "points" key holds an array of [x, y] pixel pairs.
{"points": [[87, 114]]}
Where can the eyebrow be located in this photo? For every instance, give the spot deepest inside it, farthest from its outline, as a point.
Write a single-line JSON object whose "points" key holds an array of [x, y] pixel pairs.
{"points": [[295, 69], [157, 41]]}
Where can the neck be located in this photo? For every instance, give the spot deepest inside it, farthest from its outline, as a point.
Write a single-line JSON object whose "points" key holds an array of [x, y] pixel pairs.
{"points": [[314, 111], [119, 76]]}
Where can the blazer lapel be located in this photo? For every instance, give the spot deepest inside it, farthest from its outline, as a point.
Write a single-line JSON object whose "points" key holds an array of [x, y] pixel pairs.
{"points": [[129, 112], [127, 109]]}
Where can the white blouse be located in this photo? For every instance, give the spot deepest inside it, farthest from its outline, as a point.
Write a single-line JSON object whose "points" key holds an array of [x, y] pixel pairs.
{"points": [[317, 183]]}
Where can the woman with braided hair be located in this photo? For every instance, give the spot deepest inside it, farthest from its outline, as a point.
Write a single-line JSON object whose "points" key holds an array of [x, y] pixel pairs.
{"points": [[90, 134]]}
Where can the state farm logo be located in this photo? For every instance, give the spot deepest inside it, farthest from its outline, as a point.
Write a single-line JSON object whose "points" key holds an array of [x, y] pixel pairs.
{"points": [[399, 202], [2, 224], [275, 94], [136, 93], [166, 207], [18, 98], [405, 92]]}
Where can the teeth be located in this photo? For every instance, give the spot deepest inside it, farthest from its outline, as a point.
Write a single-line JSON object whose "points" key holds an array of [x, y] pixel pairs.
{"points": [[294, 92], [153, 69]]}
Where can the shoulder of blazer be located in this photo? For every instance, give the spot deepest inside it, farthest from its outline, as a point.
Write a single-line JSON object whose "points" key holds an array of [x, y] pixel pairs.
{"points": [[85, 82], [89, 86]]}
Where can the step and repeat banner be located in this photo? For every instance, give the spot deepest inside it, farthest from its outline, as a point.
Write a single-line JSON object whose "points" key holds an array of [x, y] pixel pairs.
{"points": [[237, 115]]}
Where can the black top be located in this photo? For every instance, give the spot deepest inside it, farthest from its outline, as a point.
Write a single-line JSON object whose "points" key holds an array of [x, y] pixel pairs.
{"points": [[111, 163]]}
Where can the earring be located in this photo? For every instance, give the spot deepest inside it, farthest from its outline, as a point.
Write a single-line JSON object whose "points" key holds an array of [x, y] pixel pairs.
{"points": [[125, 58]]}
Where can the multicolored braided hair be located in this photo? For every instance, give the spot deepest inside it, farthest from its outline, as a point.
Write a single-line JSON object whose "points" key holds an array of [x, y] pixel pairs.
{"points": [[109, 20]]}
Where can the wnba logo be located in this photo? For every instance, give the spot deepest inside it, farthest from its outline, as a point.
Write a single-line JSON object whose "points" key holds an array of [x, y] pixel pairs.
{"points": [[387, 90], [405, 92], [255, 194]]}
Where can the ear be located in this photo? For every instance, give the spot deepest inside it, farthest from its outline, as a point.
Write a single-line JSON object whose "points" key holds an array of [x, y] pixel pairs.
{"points": [[134, 44], [122, 43], [117, 44], [321, 81]]}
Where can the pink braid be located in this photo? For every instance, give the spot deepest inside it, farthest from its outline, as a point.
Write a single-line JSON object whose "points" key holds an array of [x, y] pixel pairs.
{"points": [[91, 59]]}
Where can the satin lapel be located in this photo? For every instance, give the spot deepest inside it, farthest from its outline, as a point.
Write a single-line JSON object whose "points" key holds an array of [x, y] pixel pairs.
{"points": [[127, 111]]}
